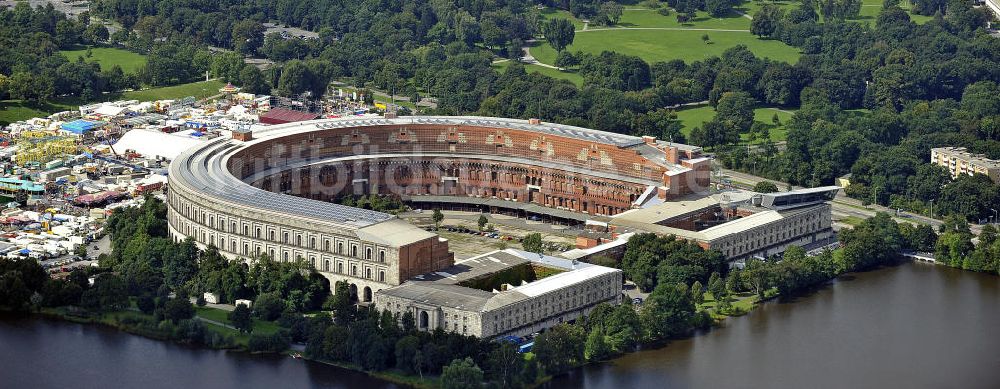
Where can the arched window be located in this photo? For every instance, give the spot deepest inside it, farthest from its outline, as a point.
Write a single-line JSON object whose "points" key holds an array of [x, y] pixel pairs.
{"points": [[233, 230], [368, 253], [354, 270], [368, 273], [340, 268], [381, 276], [354, 250], [284, 237], [298, 239], [246, 231], [284, 256], [381, 256], [312, 243], [257, 233], [340, 247], [326, 245], [326, 265]]}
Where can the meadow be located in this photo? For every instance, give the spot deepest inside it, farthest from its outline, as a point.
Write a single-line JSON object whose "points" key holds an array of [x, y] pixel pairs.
{"points": [[108, 57], [695, 117]]}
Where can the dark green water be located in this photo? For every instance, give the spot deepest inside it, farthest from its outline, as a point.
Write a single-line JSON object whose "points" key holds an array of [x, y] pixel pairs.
{"points": [[911, 326]]}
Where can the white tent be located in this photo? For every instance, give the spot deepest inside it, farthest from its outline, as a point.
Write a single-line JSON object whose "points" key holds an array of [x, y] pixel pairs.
{"points": [[154, 143], [110, 110]]}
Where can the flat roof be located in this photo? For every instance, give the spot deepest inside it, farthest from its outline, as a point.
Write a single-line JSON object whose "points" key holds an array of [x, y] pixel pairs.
{"points": [[799, 197], [667, 210], [441, 294], [475, 267], [562, 280]]}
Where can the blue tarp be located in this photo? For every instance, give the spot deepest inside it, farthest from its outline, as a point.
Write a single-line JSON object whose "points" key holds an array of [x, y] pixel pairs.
{"points": [[13, 185], [81, 126], [25, 251]]}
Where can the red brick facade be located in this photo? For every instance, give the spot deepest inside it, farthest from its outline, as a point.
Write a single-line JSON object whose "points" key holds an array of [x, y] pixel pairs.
{"points": [[509, 164]]}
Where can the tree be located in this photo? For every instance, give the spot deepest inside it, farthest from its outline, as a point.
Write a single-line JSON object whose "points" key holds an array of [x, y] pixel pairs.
{"points": [[146, 304], [241, 319], [610, 13], [566, 59], [482, 222], [533, 243], [560, 348], [437, 217], [96, 33], [407, 348], [718, 8], [252, 80], [735, 111], [765, 187], [178, 309], [505, 365], [667, 312], [108, 293], [697, 293], [247, 36], [269, 306], [462, 374], [765, 22], [596, 348], [559, 33], [718, 290]]}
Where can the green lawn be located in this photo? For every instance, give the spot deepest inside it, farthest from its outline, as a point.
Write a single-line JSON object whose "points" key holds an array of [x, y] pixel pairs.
{"points": [[108, 57], [651, 18], [664, 45], [553, 13], [741, 304], [572, 76], [259, 326], [695, 117], [199, 90], [16, 110]]}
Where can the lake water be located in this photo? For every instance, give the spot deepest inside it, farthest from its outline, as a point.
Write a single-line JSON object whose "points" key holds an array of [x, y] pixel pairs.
{"points": [[910, 326]]}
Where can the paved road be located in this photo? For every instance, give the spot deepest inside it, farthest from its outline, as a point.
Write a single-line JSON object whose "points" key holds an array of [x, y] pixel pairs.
{"points": [[843, 206]]}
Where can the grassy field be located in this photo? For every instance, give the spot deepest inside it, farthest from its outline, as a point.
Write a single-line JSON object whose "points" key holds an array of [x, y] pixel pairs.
{"points": [[695, 117], [215, 314], [649, 18], [572, 76], [664, 45], [655, 37], [16, 110], [108, 57], [553, 13], [199, 90]]}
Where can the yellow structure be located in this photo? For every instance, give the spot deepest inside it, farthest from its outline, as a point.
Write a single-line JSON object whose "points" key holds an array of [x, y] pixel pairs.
{"points": [[959, 161], [46, 150]]}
